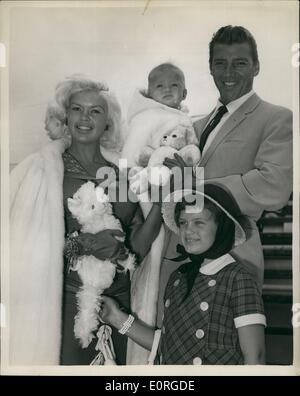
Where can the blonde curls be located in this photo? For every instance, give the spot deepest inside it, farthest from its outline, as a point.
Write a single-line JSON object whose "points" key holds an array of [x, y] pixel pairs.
{"points": [[111, 138]]}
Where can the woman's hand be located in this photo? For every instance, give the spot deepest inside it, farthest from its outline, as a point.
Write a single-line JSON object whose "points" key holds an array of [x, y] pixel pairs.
{"points": [[111, 313], [103, 245]]}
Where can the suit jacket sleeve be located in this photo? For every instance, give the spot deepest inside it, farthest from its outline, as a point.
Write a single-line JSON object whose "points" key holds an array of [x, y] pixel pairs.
{"points": [[269, 184]]}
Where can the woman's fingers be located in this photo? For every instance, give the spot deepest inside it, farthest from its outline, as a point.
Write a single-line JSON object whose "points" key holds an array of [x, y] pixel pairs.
{"points": [[117, 233], [123, 254], [86, 240], [120, 254], [107, 244]]}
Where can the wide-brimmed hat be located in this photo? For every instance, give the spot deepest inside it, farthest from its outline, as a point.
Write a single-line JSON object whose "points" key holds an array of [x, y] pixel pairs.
{"points": [[214, 193]]}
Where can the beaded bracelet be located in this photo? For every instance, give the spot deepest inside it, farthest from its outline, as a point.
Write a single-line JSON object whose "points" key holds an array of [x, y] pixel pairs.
{"points": [[71, 249], [126, 325]]}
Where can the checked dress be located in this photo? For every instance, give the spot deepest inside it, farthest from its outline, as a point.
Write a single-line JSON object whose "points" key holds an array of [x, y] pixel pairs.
{"points": [[202, 329]]}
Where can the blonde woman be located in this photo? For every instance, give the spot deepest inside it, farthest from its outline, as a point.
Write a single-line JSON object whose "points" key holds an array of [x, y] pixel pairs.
{"points": [[85, 126]]}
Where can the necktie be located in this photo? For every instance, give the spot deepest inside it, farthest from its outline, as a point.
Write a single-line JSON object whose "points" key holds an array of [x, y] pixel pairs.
{"points": [[211, 125]]}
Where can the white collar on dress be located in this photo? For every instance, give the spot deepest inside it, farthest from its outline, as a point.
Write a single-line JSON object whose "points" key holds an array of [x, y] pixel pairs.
{"points": [[216, 265], [235, 104]]}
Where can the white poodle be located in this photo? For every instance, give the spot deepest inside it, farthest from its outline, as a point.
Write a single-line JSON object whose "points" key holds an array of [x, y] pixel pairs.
{"points": [[90, 206]]}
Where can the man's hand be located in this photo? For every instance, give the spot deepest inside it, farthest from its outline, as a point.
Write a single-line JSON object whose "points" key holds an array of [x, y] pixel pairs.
{"points": [[103, 245], [178, 167], [176, 162]]}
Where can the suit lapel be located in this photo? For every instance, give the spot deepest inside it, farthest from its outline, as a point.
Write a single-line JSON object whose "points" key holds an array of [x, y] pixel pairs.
{"points": [[233, 121], [202, 123]]}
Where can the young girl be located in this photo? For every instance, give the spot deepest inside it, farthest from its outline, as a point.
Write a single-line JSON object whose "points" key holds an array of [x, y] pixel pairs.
{"points": [[213, 309]]}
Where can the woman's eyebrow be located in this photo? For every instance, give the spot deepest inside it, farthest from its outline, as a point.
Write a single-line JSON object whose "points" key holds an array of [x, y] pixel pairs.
{"points": [[91, 106]]}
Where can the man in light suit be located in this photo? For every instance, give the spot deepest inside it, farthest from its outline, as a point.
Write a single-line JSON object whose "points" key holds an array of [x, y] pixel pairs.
{"points": [[249, 146]]}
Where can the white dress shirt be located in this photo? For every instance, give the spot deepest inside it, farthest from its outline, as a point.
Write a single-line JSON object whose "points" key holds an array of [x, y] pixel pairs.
{"points": [[231, 107]]}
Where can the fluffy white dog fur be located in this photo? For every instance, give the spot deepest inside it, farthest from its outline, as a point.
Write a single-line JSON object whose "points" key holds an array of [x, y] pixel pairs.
{"points": [[91, 207]]}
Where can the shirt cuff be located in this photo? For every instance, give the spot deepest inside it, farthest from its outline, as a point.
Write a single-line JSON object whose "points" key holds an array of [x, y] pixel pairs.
{"points": [[250, 319]]}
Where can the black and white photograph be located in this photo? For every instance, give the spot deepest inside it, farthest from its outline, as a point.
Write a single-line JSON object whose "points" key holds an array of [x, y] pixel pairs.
{"points": [[150, 188]]}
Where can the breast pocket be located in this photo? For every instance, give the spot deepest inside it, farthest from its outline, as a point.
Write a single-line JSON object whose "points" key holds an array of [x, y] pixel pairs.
{"points": [[234, 156]]}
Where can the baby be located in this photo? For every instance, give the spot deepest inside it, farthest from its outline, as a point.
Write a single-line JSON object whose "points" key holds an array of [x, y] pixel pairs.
{"points": [[166, 85], [156, 112], [152, 114]]}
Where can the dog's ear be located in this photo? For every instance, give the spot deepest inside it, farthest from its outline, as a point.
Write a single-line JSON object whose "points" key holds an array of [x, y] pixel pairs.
{"points": [[75, 202], [100, 195], [74, 206]]}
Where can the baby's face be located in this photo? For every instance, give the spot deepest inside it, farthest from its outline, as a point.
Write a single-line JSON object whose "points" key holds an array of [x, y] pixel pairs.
{"points": [[167, 87]]}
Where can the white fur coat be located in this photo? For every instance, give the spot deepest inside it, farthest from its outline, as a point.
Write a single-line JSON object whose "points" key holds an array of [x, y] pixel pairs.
{"points": [[147, 121], [36, 257]]}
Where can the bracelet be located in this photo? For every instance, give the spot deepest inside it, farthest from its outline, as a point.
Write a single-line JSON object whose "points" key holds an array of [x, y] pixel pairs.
{"points": [[126, 325], [71, 249]]}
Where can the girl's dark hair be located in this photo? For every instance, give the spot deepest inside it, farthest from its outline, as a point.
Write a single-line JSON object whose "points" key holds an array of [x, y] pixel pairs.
{"points": [[214, 209], [233, 35]]}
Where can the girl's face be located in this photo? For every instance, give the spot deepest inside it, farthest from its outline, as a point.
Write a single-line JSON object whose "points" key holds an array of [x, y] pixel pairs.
{"points": [[197, 231], [87, 116]]}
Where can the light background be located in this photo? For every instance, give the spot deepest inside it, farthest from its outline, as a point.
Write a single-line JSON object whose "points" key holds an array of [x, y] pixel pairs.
{"points": [[121, 42]]}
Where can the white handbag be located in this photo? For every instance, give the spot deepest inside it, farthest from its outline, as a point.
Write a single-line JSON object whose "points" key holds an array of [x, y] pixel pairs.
{"points": [[106, 354]]}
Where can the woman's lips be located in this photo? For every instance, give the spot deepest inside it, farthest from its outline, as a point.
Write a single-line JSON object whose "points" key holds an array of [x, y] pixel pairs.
{"points": [[84, 128]]}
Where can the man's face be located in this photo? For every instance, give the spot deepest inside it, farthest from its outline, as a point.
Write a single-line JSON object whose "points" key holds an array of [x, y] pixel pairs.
{"points": [[233, 70]]}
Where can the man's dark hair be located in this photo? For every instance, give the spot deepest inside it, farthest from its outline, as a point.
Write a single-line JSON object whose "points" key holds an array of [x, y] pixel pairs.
{"points": [[233, 35]]}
